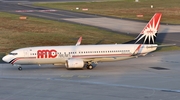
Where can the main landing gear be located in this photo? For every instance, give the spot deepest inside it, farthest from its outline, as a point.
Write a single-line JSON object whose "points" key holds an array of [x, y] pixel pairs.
{"points": [[89, 66]]}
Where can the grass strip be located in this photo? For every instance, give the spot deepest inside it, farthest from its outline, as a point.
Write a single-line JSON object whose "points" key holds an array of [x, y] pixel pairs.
{"points": [[16, 33], [125, 8]]}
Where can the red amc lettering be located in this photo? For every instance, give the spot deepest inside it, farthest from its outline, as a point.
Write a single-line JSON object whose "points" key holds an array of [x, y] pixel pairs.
{"points": [[46, 54]]}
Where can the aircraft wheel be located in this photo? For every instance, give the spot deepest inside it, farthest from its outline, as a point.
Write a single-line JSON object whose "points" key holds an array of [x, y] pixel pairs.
{"points": [[90, 67], [20, 68]]}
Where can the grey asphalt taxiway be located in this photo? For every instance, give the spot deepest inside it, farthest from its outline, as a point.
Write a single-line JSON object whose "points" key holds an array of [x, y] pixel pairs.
{"points": [[153, 77]]}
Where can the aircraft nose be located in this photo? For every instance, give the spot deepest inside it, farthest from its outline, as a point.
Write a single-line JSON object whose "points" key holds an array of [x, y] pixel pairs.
{"points": [[5, 58]]}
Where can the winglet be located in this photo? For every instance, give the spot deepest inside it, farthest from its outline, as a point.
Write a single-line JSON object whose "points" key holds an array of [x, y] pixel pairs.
{"points": [[79, 41]]}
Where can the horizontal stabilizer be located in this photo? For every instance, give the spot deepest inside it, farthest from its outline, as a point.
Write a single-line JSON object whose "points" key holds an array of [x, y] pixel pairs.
{"points": [[164, 45]]}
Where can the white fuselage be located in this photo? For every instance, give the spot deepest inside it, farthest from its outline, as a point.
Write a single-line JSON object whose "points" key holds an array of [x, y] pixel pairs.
{"points": [[60, 54]]}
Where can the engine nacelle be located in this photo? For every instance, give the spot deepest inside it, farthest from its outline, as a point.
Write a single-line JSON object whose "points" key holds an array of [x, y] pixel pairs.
{"points": [[74, 63]]}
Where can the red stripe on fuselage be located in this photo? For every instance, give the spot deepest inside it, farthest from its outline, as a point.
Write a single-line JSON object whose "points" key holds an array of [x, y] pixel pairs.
{"points": [[100, 55], [77, 56]]}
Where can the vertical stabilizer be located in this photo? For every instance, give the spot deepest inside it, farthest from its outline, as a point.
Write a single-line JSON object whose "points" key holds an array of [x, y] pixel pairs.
{"points": [[149, 33]]}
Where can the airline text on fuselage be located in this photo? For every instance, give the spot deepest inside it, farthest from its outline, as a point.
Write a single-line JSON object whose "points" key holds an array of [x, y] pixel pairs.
{"points": [[47, 53]]}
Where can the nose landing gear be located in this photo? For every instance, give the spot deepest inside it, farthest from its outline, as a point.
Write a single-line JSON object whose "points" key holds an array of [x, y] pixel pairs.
{"points": [[19, 68]]}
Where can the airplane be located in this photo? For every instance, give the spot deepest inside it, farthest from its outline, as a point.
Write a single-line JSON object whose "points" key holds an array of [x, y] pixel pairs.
{"points": [[79, 56]]}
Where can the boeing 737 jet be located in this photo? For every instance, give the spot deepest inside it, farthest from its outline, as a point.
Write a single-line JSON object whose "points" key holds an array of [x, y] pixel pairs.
{"points": [[80, 56]]}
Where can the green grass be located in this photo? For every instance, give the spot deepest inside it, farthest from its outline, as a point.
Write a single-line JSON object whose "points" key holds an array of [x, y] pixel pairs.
{"points": [[16, 33], [125, 8]]}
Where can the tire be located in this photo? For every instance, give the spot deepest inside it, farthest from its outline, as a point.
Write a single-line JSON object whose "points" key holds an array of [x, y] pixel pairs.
{"points": [[90, 67], [20, 68]]}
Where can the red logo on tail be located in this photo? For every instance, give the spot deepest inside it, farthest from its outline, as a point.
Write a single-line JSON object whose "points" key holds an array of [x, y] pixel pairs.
{"points": [[148, 34]]}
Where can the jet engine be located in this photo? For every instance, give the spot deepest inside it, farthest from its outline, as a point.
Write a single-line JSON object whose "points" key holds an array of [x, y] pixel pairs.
{"points": [[74, 63]]}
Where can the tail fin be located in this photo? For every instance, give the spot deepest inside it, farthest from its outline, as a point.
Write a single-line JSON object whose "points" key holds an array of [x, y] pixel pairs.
{"points": [[149, 33]]}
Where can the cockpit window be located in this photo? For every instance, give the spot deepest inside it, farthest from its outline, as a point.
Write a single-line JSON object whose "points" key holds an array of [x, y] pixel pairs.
{"points": [[13, 53]]}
